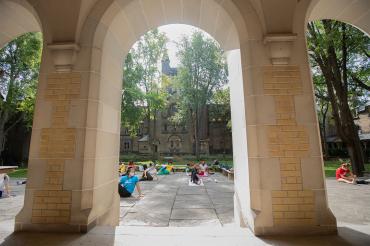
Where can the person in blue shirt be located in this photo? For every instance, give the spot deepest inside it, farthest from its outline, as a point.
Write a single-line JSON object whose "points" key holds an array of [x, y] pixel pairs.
{"points": [[127, 184]]}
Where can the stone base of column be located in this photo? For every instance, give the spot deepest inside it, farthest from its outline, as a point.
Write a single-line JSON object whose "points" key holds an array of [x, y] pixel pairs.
{"points": [[28, 227], [79, 222], [295, 230], [111, 217], [323, 224]]}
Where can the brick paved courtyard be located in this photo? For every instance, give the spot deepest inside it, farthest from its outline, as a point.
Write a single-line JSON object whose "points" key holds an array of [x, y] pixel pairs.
{"points": [[170, 202]]}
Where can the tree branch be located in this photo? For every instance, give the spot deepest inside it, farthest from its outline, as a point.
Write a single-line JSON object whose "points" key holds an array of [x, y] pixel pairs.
{"points": [[13, 125], [359, 82], [322, 97]]}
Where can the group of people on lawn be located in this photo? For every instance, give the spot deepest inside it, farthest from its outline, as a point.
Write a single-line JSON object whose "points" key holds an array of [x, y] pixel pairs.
{"points": [[196, 171], [129, 180]]}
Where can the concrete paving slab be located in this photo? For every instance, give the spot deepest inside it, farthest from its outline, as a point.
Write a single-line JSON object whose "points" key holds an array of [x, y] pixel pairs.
{"points": [[195, 223], [192, 197], [193, 213], [141, 219], [192, 204], [349, 204]]}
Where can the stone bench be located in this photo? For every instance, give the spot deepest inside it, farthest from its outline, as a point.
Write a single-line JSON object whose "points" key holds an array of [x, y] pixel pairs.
{"points": [[7, 169]]}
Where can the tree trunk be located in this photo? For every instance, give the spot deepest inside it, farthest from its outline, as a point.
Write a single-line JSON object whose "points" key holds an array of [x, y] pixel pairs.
{"points": [[2, 142], [323, 145], [356, 156], [347, 131], [197, 140], [323, 132], [337, 85], [154, 139], [3, 121]]}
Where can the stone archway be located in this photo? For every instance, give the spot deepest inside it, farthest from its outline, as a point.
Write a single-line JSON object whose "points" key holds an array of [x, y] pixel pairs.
{"points": [[355, 13], [122, 25], [75, 140], [17, 18]]}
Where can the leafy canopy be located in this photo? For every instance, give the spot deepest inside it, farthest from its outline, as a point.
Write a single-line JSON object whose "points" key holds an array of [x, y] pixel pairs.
{"points": [[19, 69]]}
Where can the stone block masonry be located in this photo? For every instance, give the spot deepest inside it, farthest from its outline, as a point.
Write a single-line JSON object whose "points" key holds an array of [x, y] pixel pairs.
{"points": [[52, 204], [289, 142]]}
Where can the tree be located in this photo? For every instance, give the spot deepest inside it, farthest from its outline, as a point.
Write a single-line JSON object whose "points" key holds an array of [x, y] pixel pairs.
{"points": [[133, 98], [219, 110], [202, 71], [142, 95], [340, 54], [19, 66], [322, 108]]}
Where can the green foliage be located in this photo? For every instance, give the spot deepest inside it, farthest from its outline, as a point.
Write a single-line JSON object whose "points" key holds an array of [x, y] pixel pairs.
{"points": [[355, 56], [202, 71], [19, 66], [133, 111], [220, 107], [142, 95], [19, 173], [339, 55], [19, 70]]}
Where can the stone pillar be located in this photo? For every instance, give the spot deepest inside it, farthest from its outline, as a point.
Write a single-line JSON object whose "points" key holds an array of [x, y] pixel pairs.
{"points": [[54, 191], [286, 178]]}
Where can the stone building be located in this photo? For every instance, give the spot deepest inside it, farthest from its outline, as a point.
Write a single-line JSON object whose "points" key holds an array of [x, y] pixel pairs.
{"points": [[72, 176], [170, 139], [335, 145]]}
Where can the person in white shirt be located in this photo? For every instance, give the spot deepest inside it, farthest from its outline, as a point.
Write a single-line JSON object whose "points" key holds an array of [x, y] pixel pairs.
{"points": [[4, 185], [153, 171]]}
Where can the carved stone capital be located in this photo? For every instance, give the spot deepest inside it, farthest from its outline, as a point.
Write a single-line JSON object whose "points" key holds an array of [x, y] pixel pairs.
{"points": [[280, 46], [64, 56]]}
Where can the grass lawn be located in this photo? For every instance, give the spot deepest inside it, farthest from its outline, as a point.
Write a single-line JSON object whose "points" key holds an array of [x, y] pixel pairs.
{"points": [[331, 166], [19, 173]]}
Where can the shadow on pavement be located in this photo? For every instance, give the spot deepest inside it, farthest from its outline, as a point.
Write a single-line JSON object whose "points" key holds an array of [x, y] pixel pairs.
{"points": [[346, 236], [102, 236]]}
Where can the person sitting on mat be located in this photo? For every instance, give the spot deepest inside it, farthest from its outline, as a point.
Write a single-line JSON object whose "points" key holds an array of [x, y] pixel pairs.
{"points": [[146, 174], [4, 185], [189, 168], [122, 169], [203, 169], [153, 171], [131, 164], [344, 174], [195, 177], [127, 184]]}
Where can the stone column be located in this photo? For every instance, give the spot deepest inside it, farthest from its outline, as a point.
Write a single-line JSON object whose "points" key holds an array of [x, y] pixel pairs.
{"points": [[286, 178], [54, 190]]}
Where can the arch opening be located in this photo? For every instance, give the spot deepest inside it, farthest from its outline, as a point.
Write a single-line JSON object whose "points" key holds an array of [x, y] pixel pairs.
{"points": [[341, 145], [120, 33], [21, 44]]}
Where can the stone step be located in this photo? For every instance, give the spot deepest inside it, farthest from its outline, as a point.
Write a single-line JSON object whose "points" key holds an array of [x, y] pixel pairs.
{"points": [[180, 236]]}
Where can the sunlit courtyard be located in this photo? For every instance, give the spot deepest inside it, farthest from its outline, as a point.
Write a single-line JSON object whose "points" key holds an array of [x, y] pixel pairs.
{"points": [[206, 212]]}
